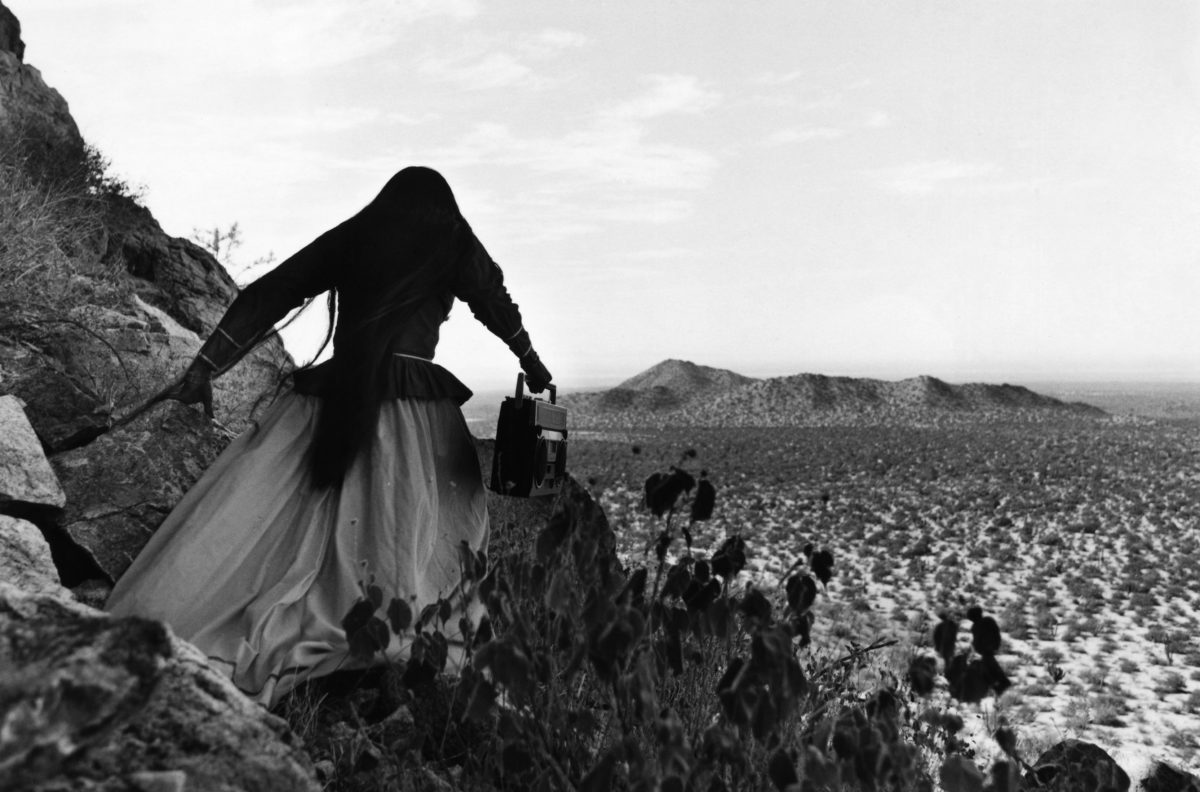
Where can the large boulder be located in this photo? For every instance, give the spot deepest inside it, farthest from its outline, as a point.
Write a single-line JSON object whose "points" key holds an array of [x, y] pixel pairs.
{"points": [[61, 407], [1077, 766], [25, 559], [98, 362], [89, 702], [27, 482], [121, 486]]}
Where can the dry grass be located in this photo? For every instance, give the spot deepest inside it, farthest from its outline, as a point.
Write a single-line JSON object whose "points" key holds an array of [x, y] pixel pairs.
{"points": [[51, 226]]}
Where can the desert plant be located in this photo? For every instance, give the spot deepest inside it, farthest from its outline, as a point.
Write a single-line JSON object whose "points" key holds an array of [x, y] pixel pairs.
{"points": [[223, 244]]}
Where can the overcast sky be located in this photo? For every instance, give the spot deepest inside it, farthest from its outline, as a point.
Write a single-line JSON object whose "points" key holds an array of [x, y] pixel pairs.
{"points": [[977, 191]]}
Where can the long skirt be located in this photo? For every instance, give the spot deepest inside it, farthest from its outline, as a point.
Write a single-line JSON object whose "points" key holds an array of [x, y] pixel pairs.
{"points": [[257, 568]]}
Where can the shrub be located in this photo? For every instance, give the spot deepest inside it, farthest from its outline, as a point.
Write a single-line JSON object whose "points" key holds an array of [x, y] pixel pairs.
{"points": [[1172, 682]]}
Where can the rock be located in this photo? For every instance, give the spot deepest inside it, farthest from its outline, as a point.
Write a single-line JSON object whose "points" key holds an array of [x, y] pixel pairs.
{"points": [[27, 103], [10, 33], [27, 482], [121, 487], [60, 407], [25, 559], [82, 373], [594, 545], [1077, 766], [175, 274], [1164, 778], [88, 699]]}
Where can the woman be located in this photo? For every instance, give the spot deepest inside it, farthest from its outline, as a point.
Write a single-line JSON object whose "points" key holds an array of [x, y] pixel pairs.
{"points": [[363, 472]]}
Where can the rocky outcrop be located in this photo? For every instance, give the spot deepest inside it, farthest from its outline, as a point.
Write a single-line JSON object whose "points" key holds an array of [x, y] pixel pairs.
{"points": [[120, 487], [25, 559], [89, 702], [27, 482], [1077, 766], [26, 102], [106, 319], [10, 34]]}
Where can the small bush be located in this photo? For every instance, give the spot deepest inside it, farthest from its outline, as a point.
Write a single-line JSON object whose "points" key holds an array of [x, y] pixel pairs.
{"points": [[1172, 682]]}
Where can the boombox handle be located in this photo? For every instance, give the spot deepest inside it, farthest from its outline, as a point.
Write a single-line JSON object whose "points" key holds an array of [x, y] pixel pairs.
{"points": [[521, 389]]}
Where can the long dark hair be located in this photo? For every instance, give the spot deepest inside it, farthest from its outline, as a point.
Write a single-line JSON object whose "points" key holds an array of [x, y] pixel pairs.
{"points": [[404, 247]]}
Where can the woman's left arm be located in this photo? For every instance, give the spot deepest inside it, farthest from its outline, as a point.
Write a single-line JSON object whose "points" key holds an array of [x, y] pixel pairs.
{"points": [[480, 283]]}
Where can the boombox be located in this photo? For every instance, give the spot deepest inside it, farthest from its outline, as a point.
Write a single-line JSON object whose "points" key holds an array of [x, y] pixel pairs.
{"points": [[531, 445]]}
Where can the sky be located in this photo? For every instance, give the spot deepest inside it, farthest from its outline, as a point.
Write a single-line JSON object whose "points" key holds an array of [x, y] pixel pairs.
{"points": [[978, 191]]}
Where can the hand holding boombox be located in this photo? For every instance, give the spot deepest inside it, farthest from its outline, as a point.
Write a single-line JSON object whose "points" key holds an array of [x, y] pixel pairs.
{"points": [[531, 443]]}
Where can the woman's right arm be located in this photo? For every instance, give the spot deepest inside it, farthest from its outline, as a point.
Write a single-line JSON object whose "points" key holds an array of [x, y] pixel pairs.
{"points": [[257, 308], [480, 284]]}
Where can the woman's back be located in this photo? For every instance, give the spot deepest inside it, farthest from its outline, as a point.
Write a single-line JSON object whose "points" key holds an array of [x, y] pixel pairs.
{"points": [[364, 472]]}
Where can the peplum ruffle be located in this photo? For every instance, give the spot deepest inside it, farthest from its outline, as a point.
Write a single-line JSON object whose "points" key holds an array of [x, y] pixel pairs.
{"points": [[407, 378]]}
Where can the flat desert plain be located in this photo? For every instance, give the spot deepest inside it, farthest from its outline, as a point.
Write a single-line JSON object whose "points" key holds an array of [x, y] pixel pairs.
{"points": [[1080, 536]]}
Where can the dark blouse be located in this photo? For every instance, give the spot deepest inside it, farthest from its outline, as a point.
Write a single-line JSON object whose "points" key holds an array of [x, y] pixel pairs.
{"points": [[412, 335]]}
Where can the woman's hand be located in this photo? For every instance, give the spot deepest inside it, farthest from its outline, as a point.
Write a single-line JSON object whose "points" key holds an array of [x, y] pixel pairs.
{"points": [[194, 386], [537, 376]]}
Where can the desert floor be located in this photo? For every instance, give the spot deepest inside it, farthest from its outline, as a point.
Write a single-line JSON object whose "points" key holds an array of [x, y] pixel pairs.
{"points": [[1081, 537]]}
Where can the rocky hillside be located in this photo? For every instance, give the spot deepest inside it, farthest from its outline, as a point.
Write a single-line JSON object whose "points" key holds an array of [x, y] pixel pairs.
{"points": [[679, 393], [99, 308]]}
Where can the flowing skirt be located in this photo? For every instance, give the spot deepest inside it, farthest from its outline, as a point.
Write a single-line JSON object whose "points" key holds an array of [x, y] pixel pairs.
{"points": [[257, 568]]}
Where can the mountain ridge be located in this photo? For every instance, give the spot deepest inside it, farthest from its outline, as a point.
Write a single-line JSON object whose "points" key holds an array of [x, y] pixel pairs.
{"points": [[680, 392]]}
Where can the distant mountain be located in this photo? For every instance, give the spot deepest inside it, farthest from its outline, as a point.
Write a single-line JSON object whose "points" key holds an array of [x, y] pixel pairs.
{"points": [[685, 377], [668, 385], [680, 393]]}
